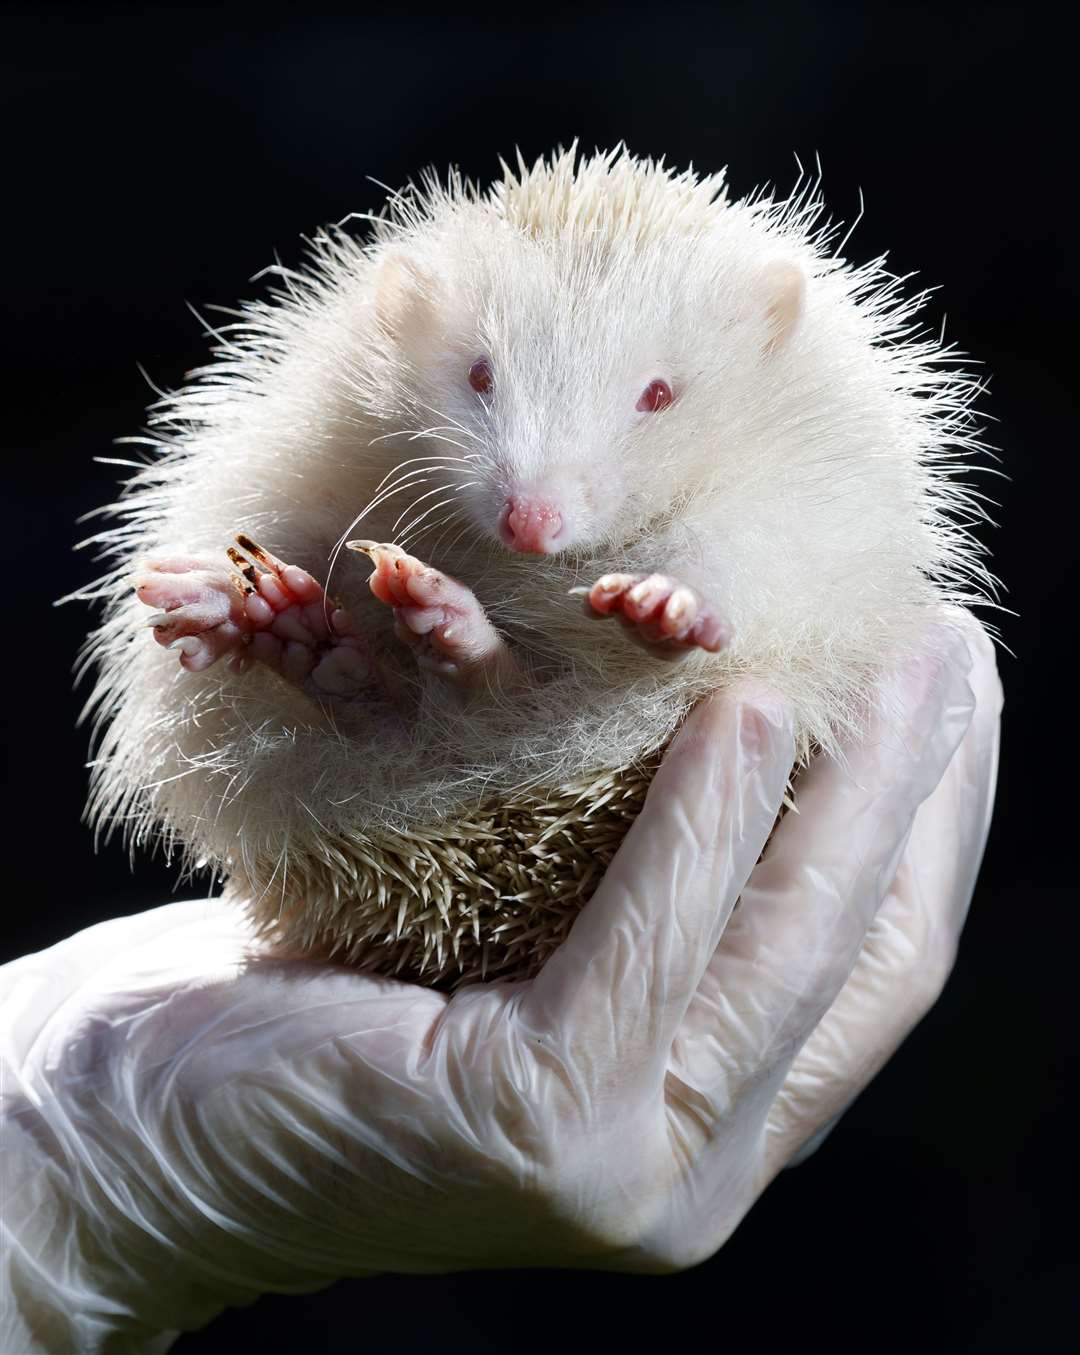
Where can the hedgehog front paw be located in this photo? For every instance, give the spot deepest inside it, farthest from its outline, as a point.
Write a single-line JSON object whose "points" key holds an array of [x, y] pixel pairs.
{"points": [[262, 610], [201, 608], [665, 616], [438, 617]]}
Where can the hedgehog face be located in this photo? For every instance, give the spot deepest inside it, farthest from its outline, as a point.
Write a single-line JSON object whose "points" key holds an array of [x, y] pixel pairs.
{"points": [[561, 377], [574, 393], [573, 377], [568, 460]]}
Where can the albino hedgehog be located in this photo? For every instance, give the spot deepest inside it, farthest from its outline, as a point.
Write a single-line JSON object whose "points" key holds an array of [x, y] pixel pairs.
{"points": [[598, 390]]}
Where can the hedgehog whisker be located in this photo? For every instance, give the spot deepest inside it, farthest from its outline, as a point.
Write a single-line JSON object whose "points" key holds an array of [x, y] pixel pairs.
{"points": [[428, 512], [339, 544], [436, 433], [465, 527], [451, 422], [369, 507], [410, 461], [439, 489], [446, 524], [410, 539]]}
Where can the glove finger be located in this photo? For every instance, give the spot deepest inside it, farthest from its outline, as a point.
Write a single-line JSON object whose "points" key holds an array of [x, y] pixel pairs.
{"points": [[615, 992], [792, 943], [911, 944], [947, 844]]}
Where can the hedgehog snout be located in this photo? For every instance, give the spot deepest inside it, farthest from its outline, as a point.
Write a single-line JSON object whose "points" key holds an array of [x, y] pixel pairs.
{"points": [[532, 523]]}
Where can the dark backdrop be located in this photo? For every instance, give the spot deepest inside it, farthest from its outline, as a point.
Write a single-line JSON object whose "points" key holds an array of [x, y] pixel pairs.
{"points": [[155, 156]]}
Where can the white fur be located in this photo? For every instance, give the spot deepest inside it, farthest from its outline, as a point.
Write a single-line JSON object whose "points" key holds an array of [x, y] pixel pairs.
{"points": [[803, 481]]}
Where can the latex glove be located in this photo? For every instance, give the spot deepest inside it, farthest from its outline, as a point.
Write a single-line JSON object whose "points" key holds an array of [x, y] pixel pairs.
{"points": [[189, 1125]]}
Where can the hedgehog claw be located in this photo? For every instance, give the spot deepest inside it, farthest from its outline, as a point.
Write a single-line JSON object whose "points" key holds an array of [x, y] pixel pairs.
{"points": [[438, 617], [275, 613]]}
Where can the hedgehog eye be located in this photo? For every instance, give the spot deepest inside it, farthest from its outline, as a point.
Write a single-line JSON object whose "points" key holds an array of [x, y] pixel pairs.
{"points": [[656, 396], [480, 376]]}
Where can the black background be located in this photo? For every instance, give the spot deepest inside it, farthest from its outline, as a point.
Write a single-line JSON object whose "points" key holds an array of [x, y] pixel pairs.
{"points": [[160, 155]]}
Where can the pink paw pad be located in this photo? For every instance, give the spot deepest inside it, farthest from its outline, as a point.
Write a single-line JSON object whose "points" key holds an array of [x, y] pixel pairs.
{"points": [[665, 615], [201, 608], [438, 617], [263, 611]]}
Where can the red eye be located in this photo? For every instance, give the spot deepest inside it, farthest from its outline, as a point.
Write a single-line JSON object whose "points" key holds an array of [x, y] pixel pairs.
{"points": [[656, 395], [480, 377]]}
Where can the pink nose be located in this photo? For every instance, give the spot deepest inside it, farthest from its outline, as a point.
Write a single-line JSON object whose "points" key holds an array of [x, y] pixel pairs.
{"points": [[530, 525]]}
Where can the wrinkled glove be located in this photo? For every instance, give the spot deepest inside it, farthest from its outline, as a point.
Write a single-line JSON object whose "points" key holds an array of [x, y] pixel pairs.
{"points": [[189, 1124]]}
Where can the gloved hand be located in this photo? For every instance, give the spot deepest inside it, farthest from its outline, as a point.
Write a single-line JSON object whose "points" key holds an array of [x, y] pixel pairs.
{"points": [[190, 1124]]}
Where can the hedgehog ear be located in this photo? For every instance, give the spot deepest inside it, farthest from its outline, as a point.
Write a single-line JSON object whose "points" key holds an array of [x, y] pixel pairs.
{"points": [[782, 287], [405, 297]]}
